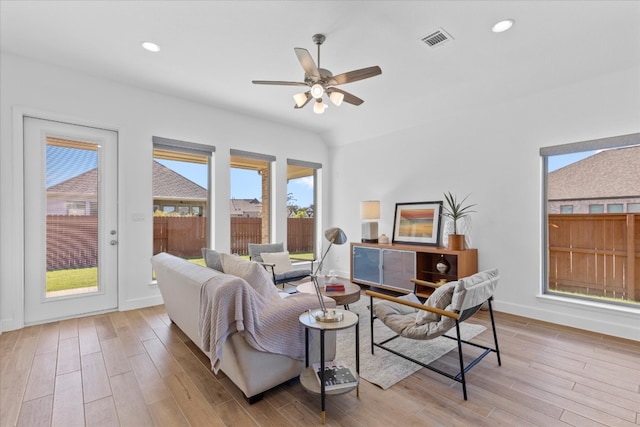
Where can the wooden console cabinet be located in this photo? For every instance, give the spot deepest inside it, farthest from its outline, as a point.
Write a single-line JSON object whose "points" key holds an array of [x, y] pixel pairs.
{"points": [[393, 266]]}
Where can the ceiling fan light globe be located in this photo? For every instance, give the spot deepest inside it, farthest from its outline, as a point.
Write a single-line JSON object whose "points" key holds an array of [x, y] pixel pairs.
{"points": [[336, 98], [317, 90], [300, 99], [319, 107]]}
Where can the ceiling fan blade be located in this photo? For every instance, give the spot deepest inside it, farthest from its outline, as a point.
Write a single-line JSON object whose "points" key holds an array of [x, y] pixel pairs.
{"points": [[349, 98], [307, 62], [354, 76], [275, 82], [309, 98]]}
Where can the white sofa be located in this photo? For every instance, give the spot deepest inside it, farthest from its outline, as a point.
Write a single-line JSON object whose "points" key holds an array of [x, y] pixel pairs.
{"points": [[253, 371]]}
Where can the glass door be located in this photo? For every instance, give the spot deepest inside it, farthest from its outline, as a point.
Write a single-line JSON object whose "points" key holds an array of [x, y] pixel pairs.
{"points": [[71, 231]]}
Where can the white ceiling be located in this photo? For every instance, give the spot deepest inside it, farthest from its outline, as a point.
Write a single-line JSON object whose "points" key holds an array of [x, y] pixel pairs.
{"points": [[211, 50]]}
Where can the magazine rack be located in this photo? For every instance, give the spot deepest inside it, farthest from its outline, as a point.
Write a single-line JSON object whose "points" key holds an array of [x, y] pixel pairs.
{"points": [[308, 377]]}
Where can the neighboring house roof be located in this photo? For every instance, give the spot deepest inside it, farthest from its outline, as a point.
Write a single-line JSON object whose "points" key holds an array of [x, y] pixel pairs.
{"points": [[611, 173], [85, 184], [168, 184], [242, 206]]}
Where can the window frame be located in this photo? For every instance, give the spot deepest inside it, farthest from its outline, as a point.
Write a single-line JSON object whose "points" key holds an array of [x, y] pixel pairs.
{"points": [[317, 168], [576, 147], [186, 151]]}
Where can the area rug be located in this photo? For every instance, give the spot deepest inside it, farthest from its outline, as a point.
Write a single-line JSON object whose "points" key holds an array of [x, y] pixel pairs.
{"points": [[384, 368]]}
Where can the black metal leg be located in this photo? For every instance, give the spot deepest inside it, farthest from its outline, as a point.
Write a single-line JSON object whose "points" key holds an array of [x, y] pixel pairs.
{"points": [[493, 327], [358, 354], [322, 386], [372, 318], [306, 347], [464, 383]]}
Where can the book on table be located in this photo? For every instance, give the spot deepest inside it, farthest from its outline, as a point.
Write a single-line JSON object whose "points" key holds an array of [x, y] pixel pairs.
{"points": [[334, 287], [337, 375]]}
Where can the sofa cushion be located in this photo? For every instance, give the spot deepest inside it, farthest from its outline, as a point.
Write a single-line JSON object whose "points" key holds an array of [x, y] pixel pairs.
{"points": [[212, 259], [280, 259], [252, 272]]}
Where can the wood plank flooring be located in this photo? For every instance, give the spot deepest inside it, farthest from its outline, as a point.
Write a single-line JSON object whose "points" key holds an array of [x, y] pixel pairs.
{"points": [[136, 369]]}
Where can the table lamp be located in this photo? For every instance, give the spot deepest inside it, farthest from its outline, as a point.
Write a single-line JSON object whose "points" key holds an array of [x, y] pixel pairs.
{"points": [[370, 213], [336, 236]]}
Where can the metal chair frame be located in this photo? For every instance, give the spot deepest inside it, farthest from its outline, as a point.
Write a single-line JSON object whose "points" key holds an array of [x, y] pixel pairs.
{"points": [[458, 317]]}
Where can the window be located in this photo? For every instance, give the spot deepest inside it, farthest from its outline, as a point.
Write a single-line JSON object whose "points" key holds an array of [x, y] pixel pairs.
{"points": [[250, 199], [596, 208], [633, 207], [181, 172], [301, 207], [590, 254], [615, 208]]}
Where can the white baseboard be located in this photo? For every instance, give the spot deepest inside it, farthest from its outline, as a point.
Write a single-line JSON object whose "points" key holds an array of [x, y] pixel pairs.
{"points": [[136, 303], [595, 319]]}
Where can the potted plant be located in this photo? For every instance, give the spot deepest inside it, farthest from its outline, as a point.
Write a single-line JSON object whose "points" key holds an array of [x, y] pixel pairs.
{"points": [[456, 210]]}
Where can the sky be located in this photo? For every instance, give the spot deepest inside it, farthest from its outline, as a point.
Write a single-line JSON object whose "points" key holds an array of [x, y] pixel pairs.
{"points": [[245, 184], [64, 163], [557, 162]]}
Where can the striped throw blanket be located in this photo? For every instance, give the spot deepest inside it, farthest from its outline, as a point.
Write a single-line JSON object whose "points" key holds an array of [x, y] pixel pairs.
{"points": [[229, 304]]}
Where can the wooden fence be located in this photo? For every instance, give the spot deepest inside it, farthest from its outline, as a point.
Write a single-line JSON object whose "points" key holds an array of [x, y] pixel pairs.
{"points": [[595, 254], [186, 238], [72, 241]]}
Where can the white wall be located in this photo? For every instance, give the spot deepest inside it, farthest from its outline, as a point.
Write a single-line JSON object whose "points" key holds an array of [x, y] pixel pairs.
{"points": [[493, 154], [137, 115]]}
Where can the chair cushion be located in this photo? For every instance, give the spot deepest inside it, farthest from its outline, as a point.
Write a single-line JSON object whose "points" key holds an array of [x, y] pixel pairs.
{"points": [[212, 259], [440, 298], [280, 259], [292, 275], [402, 320], [474, 290], [255, 249], [252, 272]]}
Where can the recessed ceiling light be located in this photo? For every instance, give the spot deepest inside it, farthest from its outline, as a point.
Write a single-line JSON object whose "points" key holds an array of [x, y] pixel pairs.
{"points": [[503, 25], [151, 47]]}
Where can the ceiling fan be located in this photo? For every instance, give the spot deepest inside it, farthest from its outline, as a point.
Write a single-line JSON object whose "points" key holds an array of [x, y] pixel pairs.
{"points": [[321, 81]]}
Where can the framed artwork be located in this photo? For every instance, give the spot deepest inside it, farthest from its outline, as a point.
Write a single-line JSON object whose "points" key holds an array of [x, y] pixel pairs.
{"points": [[417, 223]]}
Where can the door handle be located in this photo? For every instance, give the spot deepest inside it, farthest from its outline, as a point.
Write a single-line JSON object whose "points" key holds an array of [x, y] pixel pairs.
{"points": [[113, 242]]}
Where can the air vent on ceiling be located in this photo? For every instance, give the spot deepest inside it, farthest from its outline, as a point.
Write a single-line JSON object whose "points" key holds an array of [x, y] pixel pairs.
{"points": [[436, 38]]}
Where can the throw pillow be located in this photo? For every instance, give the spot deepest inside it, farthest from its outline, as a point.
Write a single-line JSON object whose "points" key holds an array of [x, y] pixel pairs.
{"points": [[280, 259], [252, 272], [440, 298], [212, 259]]}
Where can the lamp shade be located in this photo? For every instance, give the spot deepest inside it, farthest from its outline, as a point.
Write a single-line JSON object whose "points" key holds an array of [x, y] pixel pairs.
{"points": [[335, 235], [319, 107], [301, 98], [370, 209], [336, 98]]}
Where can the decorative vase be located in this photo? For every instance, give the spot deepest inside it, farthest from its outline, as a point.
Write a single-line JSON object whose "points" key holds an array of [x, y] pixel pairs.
{"points": [[464, 228], [456, 242], [443, 265]]}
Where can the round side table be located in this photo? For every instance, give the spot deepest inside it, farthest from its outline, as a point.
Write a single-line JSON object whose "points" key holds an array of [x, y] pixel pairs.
{"points": [[350, 294], [308, 377]]}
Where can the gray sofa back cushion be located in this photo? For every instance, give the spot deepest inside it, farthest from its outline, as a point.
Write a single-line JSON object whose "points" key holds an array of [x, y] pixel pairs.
{"points": [[212, 259]]}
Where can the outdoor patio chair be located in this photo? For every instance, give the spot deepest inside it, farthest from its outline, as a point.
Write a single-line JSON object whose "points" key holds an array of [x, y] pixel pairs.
{"points": [[278, 262], [448, 306]]}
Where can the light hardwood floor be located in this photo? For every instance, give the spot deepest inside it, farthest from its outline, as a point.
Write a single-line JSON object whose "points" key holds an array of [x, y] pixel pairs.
{"points": [[135, 368]]}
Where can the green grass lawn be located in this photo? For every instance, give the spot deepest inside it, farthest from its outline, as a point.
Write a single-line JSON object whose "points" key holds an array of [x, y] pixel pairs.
{"points": [[75, 278]]}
